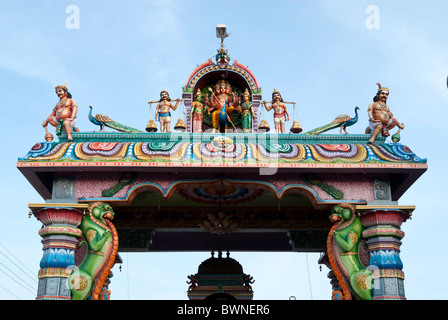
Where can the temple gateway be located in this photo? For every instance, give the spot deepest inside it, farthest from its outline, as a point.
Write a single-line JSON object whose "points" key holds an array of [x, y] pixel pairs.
{"points": [[221, 180]]}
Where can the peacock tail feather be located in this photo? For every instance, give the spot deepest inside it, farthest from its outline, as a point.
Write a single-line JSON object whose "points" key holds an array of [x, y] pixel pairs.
{"points": [[121, 127], [322, 129], [108, 122], [103, 118], [337, 122]]}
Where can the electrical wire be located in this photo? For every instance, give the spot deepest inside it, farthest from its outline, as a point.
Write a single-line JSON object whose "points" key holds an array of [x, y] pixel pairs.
{"points": [[309, 279], [127, 272], [28, 274], [9, 292], [11, 273], [33, 293]]}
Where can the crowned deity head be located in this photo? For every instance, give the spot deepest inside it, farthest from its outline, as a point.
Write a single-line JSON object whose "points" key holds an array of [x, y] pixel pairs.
{"points": [[276, 95], [382, 93], [246, 95], [62, 90], [222, 84], [198, 94]]}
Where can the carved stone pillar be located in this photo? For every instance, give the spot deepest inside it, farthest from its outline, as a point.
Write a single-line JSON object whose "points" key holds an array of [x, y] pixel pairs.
{"points": [[60, 235], [383, 235], [256, 99], [188, 100]]}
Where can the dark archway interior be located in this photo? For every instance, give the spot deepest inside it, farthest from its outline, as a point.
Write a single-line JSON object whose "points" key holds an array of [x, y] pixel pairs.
{"points": [[152, 222]]}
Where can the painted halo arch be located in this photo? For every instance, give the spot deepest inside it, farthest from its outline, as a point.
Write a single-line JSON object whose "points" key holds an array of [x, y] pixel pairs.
{"points": [[221, 73]]}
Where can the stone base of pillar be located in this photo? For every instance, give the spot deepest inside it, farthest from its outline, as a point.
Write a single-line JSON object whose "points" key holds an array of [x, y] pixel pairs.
{"points": [[388, 289], [53, 284]]}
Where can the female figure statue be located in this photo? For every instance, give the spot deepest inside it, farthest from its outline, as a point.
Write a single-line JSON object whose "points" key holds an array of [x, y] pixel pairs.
{"points": [[247, 112], [197, 109]]}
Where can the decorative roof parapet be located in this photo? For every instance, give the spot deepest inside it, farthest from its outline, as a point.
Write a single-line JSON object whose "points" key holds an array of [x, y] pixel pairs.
{"points": [[186, 149]]}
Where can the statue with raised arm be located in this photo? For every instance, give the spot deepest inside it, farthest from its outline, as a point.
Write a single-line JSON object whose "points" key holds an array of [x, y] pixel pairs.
{"points": [[381, 119], [163, 110], [64, 113], [281, 114]]}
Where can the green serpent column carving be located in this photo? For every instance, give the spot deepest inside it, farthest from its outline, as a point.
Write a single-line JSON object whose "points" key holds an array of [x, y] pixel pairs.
{"points": [[60, 235], [88, 279], [343, 250]]}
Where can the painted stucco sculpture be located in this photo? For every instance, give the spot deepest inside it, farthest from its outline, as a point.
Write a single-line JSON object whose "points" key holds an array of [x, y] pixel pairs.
{"points": [[281, 114], [197, 112], [221, 104], [163, 114], [63, 116], [343, 249], [247, 112], [102, 246], [381, 118], [343, 121], [104, 121]]}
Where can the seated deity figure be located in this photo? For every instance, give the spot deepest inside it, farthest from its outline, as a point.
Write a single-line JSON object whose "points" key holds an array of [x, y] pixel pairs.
{"points": [[381, 119], [64, 113], [222, 105]]}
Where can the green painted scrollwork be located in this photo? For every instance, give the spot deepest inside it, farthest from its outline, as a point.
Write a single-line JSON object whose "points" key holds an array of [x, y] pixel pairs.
{"points": [[343, 248], [332, 191]]}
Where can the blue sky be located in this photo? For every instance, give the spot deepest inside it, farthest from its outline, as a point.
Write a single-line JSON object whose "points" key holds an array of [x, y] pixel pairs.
{"points": [[320, 54]]}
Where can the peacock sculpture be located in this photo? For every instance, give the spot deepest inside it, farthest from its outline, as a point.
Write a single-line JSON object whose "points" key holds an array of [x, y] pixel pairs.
{"points": [[104, 121], [343, 121]]}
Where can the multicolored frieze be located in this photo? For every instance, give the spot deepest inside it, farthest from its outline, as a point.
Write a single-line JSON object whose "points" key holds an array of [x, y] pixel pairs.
{"points": [[233, 152]]}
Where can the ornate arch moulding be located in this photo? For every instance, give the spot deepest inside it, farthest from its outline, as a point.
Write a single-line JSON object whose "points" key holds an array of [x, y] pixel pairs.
{"points": [[209, 66], [167, 192]]}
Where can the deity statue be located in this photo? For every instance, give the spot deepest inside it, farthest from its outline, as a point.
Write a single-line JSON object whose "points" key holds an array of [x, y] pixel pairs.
{"points": [[281, 114], [64, 113], [163, 110], [381, 118], [247, 112], [222, 105], [197, 109]]}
